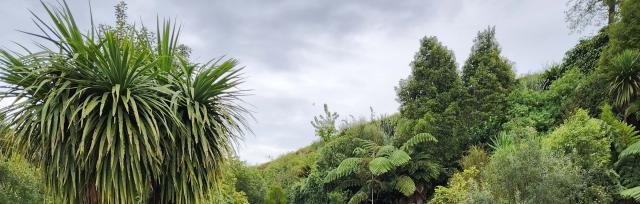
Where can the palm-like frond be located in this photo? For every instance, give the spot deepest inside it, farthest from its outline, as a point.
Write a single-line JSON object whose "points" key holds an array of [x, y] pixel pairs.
{"points": [[624, 76], [500, 141], [631, 193]]}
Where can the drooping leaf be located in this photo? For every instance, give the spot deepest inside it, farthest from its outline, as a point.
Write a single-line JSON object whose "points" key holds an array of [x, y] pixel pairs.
{"points": [[405, 185]]}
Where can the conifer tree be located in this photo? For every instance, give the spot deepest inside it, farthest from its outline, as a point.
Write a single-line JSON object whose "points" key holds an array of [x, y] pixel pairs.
{"points": [[433, 82], [487, 78]]}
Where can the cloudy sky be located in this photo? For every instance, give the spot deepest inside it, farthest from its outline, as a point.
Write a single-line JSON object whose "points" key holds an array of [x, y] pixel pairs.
{"points": [[349, 54]]}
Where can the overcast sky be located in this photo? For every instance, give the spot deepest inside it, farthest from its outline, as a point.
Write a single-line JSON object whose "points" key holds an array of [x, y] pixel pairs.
{"points": [[348, 54]]}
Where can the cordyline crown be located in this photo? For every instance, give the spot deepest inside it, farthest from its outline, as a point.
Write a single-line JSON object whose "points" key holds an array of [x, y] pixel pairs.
{"points": [[111, 118]]}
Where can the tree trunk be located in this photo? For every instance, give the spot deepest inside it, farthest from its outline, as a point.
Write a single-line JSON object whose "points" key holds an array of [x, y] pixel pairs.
{"points": [[417, 195], [155, 192], [92, 196], [611, 4]]}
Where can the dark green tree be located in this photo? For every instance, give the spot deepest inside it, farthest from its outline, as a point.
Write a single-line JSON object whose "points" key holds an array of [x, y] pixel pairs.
{"points": [[433, 82], [488, 79], [429, 101]]}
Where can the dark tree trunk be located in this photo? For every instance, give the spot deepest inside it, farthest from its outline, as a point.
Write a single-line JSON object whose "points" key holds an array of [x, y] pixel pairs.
{"points": [[417, 196], [92, 196], [611, 4], [155, 193]]}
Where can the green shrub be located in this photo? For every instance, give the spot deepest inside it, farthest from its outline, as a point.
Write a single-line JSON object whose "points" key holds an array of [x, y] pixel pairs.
{"points": [[586, 142], [523, 173], [20, 182]]}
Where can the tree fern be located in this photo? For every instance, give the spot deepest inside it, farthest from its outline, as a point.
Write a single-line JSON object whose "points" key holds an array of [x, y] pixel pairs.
{"points": [[386, 167]]}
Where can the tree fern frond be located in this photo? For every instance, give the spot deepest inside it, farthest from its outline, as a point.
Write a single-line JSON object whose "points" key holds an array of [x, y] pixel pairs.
{"points": [[631, 150], [631, 193], [404, 185], [348, 183], [366, 144], [346, 167], [415, 140], [399, 157], [380, 165], [360, 196], [385, 150], [360, 151]]}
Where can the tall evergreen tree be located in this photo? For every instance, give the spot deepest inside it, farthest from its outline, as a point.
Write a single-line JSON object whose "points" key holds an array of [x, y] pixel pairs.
{"points": [[429, 103], [433, 82], [624, 34], [488, 78]]}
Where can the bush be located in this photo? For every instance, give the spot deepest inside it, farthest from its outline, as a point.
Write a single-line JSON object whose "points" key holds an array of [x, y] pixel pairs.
{"points": [[523, 173], [460, 187], [586, 141], [20, 182]]}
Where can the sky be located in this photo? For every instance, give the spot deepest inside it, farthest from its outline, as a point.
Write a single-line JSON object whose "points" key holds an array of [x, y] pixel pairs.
{"points": [[300, 54]]}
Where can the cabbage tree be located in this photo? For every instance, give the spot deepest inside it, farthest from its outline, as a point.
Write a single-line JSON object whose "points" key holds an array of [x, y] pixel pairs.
{"points": [[111, 118]]}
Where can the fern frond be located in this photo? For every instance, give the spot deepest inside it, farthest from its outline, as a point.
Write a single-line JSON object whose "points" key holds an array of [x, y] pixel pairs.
{"points": [[348, 183], [415, 140], [631, 193], [360, 196], [366, 144], [360, 151], [385, 150], [399, 158], [624, 134], [346, 167], [404, 185], [631, 150], [380, 165]]}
